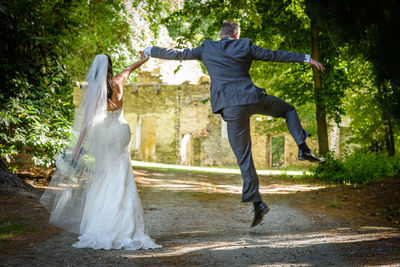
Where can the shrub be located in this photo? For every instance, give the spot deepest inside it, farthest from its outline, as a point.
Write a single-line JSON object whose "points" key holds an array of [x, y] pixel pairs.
{"points": [[37, 120], [360, 167]]}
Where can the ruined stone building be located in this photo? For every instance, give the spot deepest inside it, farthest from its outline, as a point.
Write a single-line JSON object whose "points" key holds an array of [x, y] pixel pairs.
{"points": [[174, 124]]}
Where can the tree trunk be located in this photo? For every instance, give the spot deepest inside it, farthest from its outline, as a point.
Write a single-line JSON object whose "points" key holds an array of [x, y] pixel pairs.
{"points": [[387, 118], [390, 146], [318, 91], [9, 181], [7, 178]]}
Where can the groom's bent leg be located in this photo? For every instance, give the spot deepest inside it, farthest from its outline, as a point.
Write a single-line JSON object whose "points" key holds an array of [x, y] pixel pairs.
{"points": [[276, 107], [296, 130], [238, 126]]}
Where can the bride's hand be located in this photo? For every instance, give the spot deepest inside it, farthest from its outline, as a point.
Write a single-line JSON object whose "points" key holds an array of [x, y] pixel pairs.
{"points": [[143, 57]]}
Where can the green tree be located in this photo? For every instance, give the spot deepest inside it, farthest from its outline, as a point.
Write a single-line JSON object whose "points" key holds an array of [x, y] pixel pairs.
{"points": [[35, 99], [368, 126], [370, 29], [98, 27], [276, 24], [46, 44]]}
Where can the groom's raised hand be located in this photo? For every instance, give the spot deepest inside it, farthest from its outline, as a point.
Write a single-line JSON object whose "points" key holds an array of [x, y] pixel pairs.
{"points": [[316, 64]]}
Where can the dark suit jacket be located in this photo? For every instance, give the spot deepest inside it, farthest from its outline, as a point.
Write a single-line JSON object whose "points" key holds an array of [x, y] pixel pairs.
{"points": [[228, 62]]}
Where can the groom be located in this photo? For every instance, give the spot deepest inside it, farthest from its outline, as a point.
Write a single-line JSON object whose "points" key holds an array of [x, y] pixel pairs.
{"points": [[236, 98]]}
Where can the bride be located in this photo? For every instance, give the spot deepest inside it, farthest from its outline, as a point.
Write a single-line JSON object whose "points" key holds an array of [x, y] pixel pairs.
{"points": [[93, 191]]}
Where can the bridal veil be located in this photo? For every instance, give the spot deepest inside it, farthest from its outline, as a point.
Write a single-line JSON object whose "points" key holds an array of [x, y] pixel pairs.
{"points": [[65, 196]]}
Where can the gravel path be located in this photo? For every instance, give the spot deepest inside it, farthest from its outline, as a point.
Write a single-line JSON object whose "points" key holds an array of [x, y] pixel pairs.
{"points": [[199, 220]]}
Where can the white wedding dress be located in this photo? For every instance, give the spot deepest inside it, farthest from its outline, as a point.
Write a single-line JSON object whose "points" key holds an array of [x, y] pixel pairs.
{"points": [[112, 216], [93, 192]]}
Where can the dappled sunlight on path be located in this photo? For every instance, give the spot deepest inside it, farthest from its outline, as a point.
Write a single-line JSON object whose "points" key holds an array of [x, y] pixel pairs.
{"points": [[216, 230], [330, 247], [199, 220], [205, 183], [303, 240]]}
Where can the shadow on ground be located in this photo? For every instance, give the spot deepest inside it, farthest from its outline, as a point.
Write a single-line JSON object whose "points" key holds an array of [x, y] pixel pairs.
{"points": [[199, 220]]}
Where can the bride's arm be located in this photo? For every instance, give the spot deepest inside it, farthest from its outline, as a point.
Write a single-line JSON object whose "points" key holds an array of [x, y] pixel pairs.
{"points": [[121, 78]]}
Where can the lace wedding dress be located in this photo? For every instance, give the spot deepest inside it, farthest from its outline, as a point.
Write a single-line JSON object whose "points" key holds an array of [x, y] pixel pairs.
{"points": [[93, 191], [113, 215]]}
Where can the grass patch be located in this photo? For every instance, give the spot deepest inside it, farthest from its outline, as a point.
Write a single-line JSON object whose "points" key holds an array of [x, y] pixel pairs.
{"points": [[388, 212], [8, 230], [336, 204]]}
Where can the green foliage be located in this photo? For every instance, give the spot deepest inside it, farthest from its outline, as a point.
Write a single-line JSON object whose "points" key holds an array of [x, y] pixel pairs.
{"points": [[45, 45], [48, 44], [37, 121], [360, 167], [278, 144], [368, 126], [9, 229], [353, 46], [99, 27], [294, 82], [367, 27], [335, 204], [275, 25], [331, 170], [36, 97]]}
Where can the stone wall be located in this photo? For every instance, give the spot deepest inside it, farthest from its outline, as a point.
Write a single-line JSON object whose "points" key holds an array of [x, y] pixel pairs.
{"points": [[210, 148], [161, 115], [175, 124], [150, 109]]}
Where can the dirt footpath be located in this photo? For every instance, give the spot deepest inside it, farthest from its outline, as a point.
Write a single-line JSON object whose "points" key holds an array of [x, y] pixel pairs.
{"points": [[199, 220]]}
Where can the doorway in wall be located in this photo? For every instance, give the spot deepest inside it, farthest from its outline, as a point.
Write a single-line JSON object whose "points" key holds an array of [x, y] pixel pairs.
{"points": [[146, 139]]}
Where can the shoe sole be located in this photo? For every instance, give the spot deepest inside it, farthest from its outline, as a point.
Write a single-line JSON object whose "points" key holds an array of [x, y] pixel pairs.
{"points": [[261, 218], [310, 160]]}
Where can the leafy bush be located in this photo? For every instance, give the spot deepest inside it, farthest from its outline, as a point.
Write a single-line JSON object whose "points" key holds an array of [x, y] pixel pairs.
{"points": [[329, 170], [38, 119], [38, 39], [360, 167], [36, 92]]}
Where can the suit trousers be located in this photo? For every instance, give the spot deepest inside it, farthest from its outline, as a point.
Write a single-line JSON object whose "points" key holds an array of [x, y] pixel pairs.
{"points": [[238, 126]]}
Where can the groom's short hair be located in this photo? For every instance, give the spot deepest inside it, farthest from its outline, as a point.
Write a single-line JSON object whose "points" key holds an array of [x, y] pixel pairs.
{"points": [[229, 29]]}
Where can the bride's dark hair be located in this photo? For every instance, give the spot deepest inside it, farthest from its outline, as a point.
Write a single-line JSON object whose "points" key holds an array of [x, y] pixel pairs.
{"points": [[110, 82]]}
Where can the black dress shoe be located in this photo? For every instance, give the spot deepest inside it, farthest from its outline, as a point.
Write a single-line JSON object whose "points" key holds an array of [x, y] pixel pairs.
{"points": [[259, 211], [308, 155]]}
